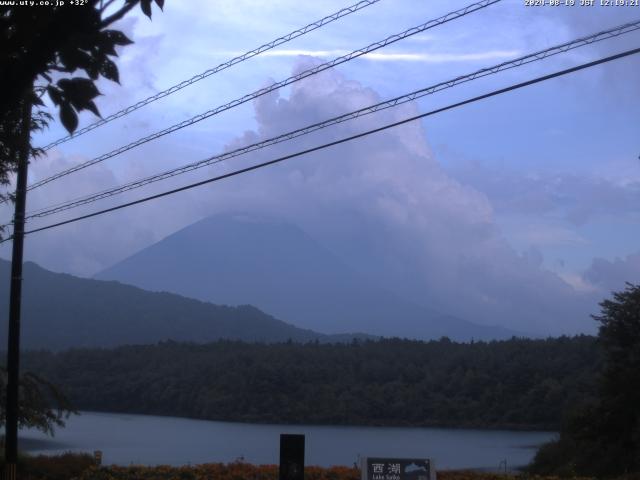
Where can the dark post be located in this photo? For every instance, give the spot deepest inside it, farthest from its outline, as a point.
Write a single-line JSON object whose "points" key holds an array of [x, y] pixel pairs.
{"points": [[291, 457], [13, 351]]}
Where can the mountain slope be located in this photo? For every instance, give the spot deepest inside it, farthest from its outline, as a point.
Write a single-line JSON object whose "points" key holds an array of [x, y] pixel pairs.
{"points": [[61, 311], [239, 259]]}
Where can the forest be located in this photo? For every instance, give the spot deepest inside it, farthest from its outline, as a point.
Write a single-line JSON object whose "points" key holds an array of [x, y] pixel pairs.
{"points": [[517, 383]]}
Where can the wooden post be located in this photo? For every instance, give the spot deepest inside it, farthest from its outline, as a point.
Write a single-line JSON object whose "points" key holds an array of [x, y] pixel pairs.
{"points": [[291, 457]]}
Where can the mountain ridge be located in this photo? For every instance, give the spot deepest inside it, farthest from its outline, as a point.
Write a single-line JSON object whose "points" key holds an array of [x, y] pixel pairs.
{"points": [[242, 258], [95, 313]]}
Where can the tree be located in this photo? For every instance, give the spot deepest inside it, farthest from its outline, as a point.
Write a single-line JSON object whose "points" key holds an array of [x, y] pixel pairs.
{"points": [[39, 43], [42, 404], [603, 438], [620, 386]]}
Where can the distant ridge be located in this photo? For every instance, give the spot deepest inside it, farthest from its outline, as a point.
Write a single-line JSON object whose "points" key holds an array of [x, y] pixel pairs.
{"points": [[60, 311], [240, 259]]}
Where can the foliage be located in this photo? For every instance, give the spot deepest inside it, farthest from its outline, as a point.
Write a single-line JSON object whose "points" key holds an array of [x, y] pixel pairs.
{"points": [[620, 387], [38, 43], [58, 467], [36, 396], [603, 437], [82, 467], [217, 471], [518, 383], [244, 471], [62, 311]]}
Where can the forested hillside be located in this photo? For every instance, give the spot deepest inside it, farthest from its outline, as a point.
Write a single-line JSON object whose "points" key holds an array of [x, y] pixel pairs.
{"points": [[517, 383], [62, 311]]}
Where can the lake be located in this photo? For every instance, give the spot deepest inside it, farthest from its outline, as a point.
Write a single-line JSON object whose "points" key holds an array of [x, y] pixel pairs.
{"points": [[149, 440]]}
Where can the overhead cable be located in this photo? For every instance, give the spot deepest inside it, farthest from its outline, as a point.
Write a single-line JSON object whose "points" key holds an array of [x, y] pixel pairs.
{"points": [[275, 86], [523, 60], [338, 142], [223, 66]]}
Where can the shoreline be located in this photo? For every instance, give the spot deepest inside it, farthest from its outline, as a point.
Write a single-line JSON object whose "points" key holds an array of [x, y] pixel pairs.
{"points": [[436, 426]]}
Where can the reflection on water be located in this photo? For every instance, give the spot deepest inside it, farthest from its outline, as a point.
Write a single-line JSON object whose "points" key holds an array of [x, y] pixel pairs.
{"points": [[148, 440]]}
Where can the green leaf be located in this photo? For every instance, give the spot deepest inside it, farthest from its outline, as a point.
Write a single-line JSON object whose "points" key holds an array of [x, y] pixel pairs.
{"points": [[145, 5], [91, 106], [93, 69], [79, 91], [117, 37], [36, 100], [68, 117], [73, 58], [54, 94], [109, 70], [106, 45]]}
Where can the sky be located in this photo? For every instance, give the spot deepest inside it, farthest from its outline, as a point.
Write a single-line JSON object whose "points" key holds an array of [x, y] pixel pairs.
{"points": [[519, 210]]}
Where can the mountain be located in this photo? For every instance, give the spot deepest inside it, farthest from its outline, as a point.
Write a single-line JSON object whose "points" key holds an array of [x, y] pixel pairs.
{"points": [[243, 259], [61, 311]]}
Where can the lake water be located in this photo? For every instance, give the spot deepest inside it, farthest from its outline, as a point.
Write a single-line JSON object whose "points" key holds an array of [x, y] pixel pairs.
{"points": [[148, 440]]}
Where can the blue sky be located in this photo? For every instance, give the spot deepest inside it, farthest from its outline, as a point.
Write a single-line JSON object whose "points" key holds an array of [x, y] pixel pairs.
{"points": [[552, 171]]}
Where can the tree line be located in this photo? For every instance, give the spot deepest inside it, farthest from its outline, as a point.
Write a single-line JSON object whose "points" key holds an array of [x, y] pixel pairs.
{"points": [[600, 436], [518, 383]]}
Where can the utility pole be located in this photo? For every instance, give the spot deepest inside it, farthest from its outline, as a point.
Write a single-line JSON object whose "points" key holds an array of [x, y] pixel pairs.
{"points": [[13, 350]]}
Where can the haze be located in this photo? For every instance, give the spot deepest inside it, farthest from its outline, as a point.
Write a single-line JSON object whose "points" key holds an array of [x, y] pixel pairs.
{"points": [[519, 212]]}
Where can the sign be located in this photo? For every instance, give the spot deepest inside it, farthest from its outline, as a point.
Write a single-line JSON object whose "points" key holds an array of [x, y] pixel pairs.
{"points": [[375, 468]]}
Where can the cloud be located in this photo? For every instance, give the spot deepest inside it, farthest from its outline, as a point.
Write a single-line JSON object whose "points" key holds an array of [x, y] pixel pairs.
{"points": [[540, 234], [612, 275], [85, 247], [443, 57], [383, 203], [392, 56], [387, 207], [617, 80], [579, 283], [575, 197]]}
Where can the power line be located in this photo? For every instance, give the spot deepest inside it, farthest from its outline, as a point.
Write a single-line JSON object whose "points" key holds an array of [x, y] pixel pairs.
{"points": [[529, 58], [223, 66], [258, 93], [340, 141]]}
